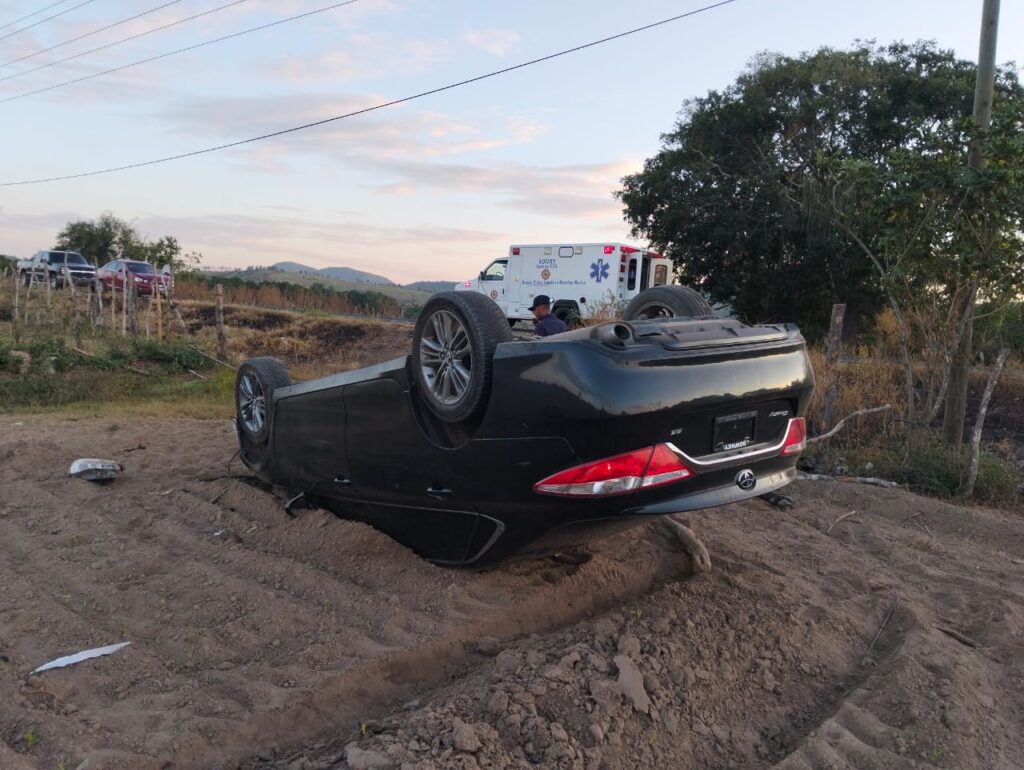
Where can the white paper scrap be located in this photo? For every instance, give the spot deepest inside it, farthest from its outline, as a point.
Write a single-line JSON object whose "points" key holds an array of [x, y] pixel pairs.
{"points": [[78, 657]]}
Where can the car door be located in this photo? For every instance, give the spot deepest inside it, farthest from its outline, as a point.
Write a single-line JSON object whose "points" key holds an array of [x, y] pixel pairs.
{"points": [[110, 271], [309, 442], [494, 283], [404, 483]]}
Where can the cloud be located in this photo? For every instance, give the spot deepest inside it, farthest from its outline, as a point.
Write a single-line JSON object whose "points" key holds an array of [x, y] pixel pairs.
{"points": [[582, 191], [388, 134], [361, 57], [499, 42]]}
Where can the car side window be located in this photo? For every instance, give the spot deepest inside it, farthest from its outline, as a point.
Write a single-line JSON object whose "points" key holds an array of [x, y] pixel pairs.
{"points": [[496, 270]]}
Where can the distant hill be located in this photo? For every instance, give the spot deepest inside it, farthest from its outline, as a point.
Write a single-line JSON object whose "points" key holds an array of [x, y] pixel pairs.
{"points": [[308, 278], [338, 273], [432, 286]]}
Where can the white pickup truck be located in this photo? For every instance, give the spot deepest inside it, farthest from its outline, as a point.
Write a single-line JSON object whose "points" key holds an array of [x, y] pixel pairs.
{"points": [[53, 266], [584, 280]]}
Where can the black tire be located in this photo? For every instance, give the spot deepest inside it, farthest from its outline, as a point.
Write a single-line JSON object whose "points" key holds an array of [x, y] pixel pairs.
{"points": [[568, 313], [26, 278], [53, 283], [666, 302], [255, 383], [452, 349]]}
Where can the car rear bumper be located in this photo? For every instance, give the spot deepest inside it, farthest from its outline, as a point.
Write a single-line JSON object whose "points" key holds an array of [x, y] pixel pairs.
{"points": [[579, 522]]}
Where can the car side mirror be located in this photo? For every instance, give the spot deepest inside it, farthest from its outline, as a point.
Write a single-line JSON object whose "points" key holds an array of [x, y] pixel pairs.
{"points": [[482, 275]]}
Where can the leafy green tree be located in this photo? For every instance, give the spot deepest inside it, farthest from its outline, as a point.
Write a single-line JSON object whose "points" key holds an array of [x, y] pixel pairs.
{"points": [[107, 237], [735, 194], [99, 240]]}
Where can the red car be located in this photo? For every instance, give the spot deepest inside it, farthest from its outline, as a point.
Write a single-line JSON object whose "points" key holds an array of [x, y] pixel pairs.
{"points": [[145, 277]]}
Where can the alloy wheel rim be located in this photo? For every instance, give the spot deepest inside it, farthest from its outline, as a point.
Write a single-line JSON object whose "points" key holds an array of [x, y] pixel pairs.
{"points": [[252, 403], [445, 357]]}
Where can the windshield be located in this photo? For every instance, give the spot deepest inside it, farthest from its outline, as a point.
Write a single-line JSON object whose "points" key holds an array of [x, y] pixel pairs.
{"points": [[57, 257], [140, 267]]}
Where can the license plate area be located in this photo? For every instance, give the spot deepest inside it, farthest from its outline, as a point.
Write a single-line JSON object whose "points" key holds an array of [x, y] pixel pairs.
{"points": [[734, 431]]}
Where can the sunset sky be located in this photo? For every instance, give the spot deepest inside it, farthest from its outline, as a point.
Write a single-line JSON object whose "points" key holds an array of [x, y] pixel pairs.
{"points": [[431, 189]]}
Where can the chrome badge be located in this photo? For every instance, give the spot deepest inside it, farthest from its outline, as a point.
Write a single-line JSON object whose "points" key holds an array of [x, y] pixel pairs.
{"points": [[746, 480]]}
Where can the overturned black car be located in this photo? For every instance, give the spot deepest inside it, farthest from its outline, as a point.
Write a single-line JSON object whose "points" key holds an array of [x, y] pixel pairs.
{"points": [[479, 445]]}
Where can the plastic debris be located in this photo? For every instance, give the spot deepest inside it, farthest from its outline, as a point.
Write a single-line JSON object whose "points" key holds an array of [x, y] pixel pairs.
{"points": [[78, 657], [92, 469]]}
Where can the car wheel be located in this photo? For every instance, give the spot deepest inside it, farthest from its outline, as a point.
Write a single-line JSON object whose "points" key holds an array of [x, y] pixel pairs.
{"points": [[255, 383], [26, 278], [568, 313], [452, 349], [53, 282], [666, 302]]}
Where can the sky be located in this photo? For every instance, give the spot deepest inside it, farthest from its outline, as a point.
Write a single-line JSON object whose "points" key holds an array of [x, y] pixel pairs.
{"points": [[432, 189]]}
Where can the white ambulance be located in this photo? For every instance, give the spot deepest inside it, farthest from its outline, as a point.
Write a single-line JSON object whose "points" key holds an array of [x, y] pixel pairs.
{"points": [[585, 279]]}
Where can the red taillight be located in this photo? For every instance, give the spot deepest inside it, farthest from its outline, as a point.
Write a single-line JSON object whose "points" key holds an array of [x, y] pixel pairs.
{"points": [[515, 251], [609, 249], [618, 475], [796, 437], [468, 284]]}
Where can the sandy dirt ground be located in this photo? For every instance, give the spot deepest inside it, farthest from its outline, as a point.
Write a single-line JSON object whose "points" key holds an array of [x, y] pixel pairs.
{"points": [[263, 641]]}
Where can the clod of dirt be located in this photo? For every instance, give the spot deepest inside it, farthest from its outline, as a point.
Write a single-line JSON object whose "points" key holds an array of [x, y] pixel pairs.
{"points": [[631, 683], [360, 759], [464, 737]]}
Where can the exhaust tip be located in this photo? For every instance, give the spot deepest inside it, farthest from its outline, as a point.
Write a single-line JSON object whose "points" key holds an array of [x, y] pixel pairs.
{"points": [[614, 334]]}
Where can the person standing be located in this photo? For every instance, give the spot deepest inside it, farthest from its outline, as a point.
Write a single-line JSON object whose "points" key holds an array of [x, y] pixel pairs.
{"points": [[545, 324]]}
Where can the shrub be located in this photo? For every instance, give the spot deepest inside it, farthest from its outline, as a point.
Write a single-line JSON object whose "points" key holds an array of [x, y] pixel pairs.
{"points": [[174, 355], [934, 468]]}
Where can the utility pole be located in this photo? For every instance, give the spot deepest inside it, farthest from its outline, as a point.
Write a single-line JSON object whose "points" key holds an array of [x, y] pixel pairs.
{"points": [[956, 394]]}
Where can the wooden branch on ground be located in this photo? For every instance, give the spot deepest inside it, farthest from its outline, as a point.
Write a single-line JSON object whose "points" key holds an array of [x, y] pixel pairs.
{"points": [[693, 546], [885, 622], [129, 367], [841, 518], [839, 425], [979, 423], [215, 360], [849, 479], [962, 638]]}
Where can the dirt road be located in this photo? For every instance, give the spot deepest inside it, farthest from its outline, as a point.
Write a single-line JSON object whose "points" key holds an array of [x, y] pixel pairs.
{"points": [[262, 641]]}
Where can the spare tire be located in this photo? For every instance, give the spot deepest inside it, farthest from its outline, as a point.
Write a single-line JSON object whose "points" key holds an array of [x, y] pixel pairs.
{"points": [[452, 347], [255, 383], [666, 302]]}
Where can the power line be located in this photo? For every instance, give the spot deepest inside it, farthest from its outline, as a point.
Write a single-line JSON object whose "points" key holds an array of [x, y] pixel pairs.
{"points": [[34, 13], [43, 21], [136, 36], [149, 59], [376, 107], [83, 37]]}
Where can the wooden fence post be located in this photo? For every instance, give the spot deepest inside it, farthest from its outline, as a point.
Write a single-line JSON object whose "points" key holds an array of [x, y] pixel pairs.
{"points": [[16, 322], [159, 310], [835, 335], [222, 340], [124, 302], [133, 311]]}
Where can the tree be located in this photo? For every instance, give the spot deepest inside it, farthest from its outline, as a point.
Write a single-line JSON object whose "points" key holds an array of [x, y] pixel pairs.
{"points": [[734, 196], [107, 237]]}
